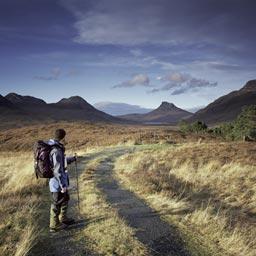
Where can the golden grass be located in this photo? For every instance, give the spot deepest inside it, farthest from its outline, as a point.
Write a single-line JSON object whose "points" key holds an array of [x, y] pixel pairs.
{"points": [[84, 134], [207, 185], [208, 188], [106, 232], [19, 200]]}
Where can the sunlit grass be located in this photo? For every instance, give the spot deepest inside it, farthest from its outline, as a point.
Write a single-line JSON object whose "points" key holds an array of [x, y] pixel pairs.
{"points": [[19, 200], [206, 188]]}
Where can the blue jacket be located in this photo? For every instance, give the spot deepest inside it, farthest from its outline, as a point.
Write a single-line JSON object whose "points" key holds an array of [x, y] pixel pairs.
{"points": [[59, 162]]}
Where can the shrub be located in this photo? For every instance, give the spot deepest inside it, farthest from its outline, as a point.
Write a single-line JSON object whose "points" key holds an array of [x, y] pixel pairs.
{"points": [[184, 126], [243, 126], [196, 127]]}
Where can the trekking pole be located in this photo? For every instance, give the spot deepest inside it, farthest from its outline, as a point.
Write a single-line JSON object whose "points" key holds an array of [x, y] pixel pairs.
{"points": [[77, 185]]}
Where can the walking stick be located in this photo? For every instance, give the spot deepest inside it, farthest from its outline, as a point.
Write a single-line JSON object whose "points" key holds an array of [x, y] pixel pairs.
{"points": [[77, 185]]}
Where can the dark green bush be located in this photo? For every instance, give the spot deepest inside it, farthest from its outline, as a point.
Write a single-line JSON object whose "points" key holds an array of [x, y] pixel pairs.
{"points": [[244, 126], [196, 127]]}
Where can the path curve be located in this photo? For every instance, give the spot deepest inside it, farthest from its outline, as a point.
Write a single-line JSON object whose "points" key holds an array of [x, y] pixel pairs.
{"points": [[161, 238]]}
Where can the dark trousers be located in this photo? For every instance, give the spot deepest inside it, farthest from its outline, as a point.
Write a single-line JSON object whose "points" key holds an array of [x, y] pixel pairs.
{"points": [[59, 208]]}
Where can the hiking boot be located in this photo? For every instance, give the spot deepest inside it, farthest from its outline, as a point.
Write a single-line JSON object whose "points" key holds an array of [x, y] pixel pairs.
{"points": [[53, 230], [68, 221], [58, 228]]}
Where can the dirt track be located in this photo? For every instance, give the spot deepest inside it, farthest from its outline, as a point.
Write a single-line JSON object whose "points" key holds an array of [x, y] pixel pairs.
{"points": [[158, 236]]}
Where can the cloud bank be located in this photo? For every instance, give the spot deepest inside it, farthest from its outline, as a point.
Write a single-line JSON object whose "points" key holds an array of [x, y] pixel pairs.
{"points": [[226, 23], [180, 83]]}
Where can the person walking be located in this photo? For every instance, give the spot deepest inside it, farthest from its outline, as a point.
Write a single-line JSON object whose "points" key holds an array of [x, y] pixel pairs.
{"points": [[59, 183]]}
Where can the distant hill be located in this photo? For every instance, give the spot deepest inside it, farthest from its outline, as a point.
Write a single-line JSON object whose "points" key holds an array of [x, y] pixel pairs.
{"points": [[165, 113], [118, 109], [20, 100], [27, 108], [9, 112], [5, 103], [226, 108], [74, 102]]}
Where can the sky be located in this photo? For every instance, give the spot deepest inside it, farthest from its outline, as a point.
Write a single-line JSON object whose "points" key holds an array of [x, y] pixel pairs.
{"points": [[142, 52]]}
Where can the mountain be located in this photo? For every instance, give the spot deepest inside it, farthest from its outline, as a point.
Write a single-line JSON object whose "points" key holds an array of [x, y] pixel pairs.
{"points": [[194, 109], [76, 108], [165, 113], [24, 100], [5, 103], [118, 109], [9, 112], [226, 108], [74, 102], [28, 108]]}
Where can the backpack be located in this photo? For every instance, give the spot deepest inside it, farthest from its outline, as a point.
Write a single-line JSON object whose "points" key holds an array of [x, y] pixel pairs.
{"points": [[42, 162]]}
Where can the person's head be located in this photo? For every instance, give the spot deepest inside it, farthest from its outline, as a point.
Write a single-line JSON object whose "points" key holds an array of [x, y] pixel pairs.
{"points": [[59, 134]]}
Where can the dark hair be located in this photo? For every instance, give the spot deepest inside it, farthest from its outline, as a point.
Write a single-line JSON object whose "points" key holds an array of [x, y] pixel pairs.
{"points": [[60, 134]]}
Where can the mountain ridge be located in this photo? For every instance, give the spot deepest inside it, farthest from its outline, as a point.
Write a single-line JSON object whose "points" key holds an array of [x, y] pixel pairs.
{"points": [[68, 109], [15, 107], [227, 107], [20, 99]]}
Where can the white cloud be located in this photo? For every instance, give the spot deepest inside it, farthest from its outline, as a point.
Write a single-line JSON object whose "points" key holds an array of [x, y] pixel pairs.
{"points": [[136, 52], [166, 22], [122, 22], [137, 80], [179, 83], [176, 77]]}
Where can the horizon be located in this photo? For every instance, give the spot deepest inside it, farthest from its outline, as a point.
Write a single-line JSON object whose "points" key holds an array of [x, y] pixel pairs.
{"points": [[100, 102], [133, 52]]}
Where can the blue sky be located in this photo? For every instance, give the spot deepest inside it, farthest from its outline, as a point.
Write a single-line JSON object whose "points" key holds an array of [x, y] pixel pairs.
{"points": [[141, 52]]}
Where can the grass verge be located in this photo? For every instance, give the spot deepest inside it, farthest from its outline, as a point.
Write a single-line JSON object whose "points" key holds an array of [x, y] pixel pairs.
{"points": [[20, 195], [211, 197]]}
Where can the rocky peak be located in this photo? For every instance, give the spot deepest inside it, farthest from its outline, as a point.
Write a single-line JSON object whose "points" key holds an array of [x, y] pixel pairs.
{"points": [[166, 106], [74, 102], [14, 97]]}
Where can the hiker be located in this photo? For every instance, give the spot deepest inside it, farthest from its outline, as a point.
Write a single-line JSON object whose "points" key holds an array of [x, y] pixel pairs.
{"points": [[59, 183]]}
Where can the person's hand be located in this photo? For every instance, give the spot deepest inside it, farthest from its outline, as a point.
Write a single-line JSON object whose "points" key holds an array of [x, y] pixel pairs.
{"points": [[64, 190]]}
